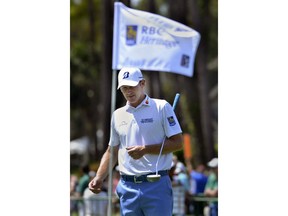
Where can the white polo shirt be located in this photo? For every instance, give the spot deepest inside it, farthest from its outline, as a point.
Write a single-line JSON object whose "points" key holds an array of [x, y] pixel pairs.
{"points": [[146, 124]]}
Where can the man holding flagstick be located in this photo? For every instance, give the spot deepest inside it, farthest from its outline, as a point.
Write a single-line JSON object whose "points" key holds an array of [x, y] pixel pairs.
{"points": [[140, 129], [137, 132]]}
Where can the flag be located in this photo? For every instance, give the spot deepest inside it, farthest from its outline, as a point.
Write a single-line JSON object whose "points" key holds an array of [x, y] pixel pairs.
{"points": [[152, 42]]}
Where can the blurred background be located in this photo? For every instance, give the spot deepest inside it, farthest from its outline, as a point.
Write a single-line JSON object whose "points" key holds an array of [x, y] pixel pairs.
{"points": [[91, 29]]}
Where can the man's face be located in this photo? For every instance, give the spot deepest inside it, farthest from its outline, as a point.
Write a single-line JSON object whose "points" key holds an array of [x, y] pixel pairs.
{"points": [[134, 95]]}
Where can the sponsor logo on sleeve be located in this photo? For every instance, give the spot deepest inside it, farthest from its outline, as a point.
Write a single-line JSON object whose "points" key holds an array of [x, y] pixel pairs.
{"points": [[171, 121]]}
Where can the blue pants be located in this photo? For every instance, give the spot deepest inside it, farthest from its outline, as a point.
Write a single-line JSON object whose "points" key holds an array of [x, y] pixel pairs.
{"points": [[146, 198]]}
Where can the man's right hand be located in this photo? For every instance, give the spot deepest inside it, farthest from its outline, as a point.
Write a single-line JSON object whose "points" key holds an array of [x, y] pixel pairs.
{"points": [[95, 185]]}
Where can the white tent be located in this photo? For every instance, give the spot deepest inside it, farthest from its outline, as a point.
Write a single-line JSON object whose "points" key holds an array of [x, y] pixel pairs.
{"points": [[79, 151], [80, 145]]}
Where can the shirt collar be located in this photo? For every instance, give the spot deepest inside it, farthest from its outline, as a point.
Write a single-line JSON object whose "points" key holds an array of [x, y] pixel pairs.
{"points": [[145, 102]]}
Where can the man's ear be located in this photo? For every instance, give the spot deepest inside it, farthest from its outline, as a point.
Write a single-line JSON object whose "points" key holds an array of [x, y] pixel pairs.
{"points": [[143, 82]]}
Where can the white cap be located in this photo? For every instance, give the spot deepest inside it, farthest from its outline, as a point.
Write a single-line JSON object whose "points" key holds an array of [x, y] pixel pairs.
{"points": [[213, 163], [129, 76]]}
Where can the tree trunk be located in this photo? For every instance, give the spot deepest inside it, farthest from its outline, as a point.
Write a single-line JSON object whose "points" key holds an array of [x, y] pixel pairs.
{"points": [[92, 111], [105, 75], [201, 24], [154, 76]]}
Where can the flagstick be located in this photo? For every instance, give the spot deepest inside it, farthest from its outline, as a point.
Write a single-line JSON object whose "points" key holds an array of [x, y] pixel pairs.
{"points": [[110, 181], [113, 106]]}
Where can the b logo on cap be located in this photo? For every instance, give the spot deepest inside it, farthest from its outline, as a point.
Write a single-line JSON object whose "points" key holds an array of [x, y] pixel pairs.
{"points": [[126, 75]]}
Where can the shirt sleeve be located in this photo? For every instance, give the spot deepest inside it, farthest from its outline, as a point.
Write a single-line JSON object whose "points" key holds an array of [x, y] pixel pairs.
{"points": [[170, 121], [114, 137]]}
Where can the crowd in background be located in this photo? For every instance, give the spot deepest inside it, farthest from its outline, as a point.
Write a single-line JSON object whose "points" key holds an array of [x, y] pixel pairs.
{"points": [[187, 183]]}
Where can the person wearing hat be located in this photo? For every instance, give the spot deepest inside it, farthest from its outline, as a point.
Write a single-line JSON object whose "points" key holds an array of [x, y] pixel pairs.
{"points": [[137, 132], [211, 188]]}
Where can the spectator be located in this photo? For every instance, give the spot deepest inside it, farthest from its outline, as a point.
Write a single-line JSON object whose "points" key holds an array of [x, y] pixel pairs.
{"points": [[73, 185], [84, 180], [181, 189], [211, 188], [178, 193], [95, 204], [199, 182], [200, 178], [181, 176], [82, 185]]}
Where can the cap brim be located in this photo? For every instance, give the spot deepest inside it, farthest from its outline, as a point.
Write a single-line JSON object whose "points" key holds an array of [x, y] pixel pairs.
{"points": [[128, 83]]}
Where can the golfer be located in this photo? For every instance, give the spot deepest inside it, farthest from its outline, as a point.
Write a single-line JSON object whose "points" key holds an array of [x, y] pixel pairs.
{"points": [[137, 132]]}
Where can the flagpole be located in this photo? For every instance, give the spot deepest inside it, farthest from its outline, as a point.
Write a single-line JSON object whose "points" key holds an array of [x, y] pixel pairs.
{"points": [[113, 106], [110, 179]]}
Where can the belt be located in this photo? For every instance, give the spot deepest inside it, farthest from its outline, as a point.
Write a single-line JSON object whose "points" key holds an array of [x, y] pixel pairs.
{"points": [[142, 178]]}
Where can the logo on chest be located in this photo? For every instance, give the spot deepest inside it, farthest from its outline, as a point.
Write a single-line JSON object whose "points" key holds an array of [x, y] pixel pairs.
{"points": [[146, 120], [123, 123]]}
